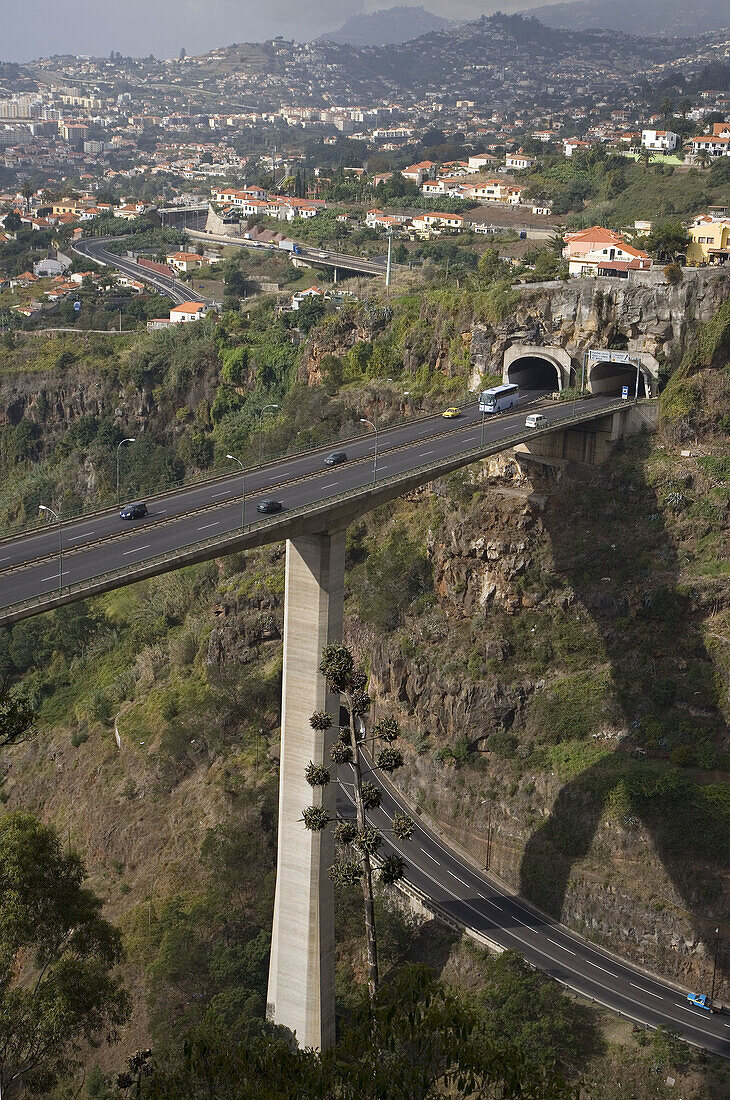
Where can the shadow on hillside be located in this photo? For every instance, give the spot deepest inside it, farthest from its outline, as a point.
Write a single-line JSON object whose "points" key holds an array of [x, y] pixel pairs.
{"points": [[612, 548]]}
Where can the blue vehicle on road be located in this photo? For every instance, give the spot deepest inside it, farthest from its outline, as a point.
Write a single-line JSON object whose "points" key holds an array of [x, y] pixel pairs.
{"points": [[701, 1000]]}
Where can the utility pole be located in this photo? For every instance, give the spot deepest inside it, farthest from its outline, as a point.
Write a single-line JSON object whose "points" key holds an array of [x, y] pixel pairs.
{"points": [[261, 430], [714, 968], [488, 859], [388, 268]]}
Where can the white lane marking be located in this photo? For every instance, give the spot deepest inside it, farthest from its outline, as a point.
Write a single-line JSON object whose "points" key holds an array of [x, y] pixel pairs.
{"points": [[425, 853], [217, 496], [381, 468], [458, 879], [538, 948], [329, 485], [160, 511], [421, 454], [137, 549], [560, 945], [642, 990], [209, 525], [73, 538], [603, 968], [6, 558], [53, 578]]}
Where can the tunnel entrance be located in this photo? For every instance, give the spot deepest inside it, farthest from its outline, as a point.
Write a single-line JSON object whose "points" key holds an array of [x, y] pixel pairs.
{"points": [[610, 378], [533, 372]]}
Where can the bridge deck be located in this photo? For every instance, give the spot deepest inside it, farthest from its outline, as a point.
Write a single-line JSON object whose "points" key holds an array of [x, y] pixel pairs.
{"points": [[198, 523]]}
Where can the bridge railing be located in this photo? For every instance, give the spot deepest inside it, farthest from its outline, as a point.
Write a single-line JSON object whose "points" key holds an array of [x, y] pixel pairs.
{"points": [[173, 487], [231, 541]]}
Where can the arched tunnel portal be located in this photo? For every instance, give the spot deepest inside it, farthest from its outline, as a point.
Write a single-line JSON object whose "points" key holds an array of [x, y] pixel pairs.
{"points": [[611, 378], [534, 372], [533, 367]]}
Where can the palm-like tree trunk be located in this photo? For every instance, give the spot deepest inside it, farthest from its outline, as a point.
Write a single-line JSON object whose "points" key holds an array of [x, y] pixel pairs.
{"points": [[367, 871]]}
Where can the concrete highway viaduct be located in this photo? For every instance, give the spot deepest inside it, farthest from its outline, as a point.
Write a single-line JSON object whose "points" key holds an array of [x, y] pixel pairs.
{"points": [[301, 975]]}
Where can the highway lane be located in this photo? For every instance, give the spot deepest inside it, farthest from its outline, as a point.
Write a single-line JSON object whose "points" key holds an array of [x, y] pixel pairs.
{"points": [[188, 516], [94, 248], [478, 902]]}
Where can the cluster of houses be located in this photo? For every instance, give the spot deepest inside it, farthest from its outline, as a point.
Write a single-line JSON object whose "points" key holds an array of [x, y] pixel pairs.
{"points": [[249, 201]]}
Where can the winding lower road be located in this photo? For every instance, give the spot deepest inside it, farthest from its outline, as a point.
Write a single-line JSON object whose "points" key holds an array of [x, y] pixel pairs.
{"points": [[453, 889]]}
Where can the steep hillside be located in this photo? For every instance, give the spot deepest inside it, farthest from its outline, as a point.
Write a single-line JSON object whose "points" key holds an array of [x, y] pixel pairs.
{"points": [[387, 27], [554, 639], [654, 18]]}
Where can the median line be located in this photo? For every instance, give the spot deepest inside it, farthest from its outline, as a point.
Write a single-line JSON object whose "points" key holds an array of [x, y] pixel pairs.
{"points": [[642, 990]]}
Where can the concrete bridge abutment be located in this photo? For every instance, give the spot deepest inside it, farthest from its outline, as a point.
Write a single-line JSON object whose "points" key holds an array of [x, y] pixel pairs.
{"points": [[301, 994], [592, 443]]}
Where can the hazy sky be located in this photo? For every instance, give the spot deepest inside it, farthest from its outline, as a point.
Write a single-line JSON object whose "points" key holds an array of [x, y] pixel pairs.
{"points": [[37, 28]]}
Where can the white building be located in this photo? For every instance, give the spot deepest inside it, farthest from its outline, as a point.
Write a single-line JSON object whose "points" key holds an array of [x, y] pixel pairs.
{"points": [[659, 141], [187, 311]]}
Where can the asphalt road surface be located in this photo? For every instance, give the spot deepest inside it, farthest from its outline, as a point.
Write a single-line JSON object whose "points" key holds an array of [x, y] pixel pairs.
{"points": [[477, 901], [95, 249], [102, 542]]}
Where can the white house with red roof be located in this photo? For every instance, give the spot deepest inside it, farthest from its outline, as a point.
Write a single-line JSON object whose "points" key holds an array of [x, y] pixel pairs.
{"points": [[417, 173], [187, 311], [598, 250], [184, 261]]}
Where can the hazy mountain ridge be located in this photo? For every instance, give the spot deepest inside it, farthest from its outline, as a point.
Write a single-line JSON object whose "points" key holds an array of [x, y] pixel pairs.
{"points": [[656, 18], [387, 27]]}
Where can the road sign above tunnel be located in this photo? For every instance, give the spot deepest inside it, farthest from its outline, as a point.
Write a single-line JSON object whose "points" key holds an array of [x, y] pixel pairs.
{"points": [[604, 355]]}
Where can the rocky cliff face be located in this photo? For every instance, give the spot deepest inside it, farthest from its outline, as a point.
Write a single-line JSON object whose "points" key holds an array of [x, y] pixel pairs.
{"points": [[517, 690], [650, 317], [583, 313]]}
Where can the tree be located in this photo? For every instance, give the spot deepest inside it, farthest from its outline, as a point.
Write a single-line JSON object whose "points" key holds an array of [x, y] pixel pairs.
{"points": [[56, 958], [361, 838], [667, 240], [645, 156], [666, 109], [685, 105], [16, 719], [703, 158]]}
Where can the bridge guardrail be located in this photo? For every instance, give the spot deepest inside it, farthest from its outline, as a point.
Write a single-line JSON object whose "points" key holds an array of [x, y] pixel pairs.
{"points": [[191, 553], [216, 479]]}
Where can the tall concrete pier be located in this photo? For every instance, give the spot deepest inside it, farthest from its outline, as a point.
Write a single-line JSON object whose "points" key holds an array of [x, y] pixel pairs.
{"points": [[301, 971]]}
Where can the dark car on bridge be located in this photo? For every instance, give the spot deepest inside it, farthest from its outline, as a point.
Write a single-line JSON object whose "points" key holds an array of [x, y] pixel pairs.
{"points": [[134, 511], [336, 458], [268, 507]]}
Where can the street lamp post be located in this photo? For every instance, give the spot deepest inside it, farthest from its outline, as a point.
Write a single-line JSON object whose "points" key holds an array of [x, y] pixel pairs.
{"points": [[243, 488], [130, 439], [375, 452], [56, 516], [488, 860], [714, 968], [261, 429]]}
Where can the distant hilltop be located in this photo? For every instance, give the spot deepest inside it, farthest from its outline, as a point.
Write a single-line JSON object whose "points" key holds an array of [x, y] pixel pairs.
{"points": [[386, 28], [653, 18]]}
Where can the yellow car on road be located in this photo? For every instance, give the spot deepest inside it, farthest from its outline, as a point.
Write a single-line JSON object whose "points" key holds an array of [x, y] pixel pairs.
{"points": [[451, 414]]}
